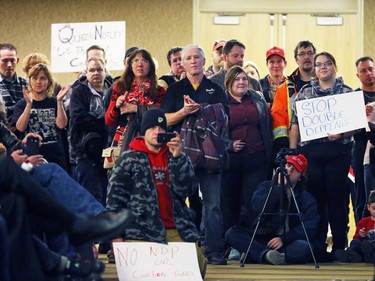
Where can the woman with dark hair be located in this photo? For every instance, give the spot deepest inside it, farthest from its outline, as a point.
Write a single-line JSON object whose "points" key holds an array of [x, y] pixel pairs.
{"points": [[250, 147], [39, 112], [329, 159], [133, 93]]}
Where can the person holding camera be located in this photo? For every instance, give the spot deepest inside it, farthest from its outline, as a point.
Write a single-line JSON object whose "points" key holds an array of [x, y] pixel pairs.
{"points": [[153, 179], [280, 239], [362, 247]]}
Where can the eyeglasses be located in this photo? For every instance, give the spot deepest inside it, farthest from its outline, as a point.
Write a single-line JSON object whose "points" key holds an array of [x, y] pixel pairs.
{"points": [[302, 54], [326, 64], [137, 60]]}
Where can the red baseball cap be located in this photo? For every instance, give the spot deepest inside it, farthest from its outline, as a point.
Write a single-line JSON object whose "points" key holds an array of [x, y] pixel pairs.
{"points": [[219, 44], [298, 161], [275, 51]]}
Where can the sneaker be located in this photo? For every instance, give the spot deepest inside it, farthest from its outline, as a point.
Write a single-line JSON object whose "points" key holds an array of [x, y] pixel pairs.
{"points": [[275, 257], [216, 260], [234, 255]]}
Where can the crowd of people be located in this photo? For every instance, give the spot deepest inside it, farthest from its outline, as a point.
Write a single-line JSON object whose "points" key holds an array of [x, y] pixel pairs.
{"points": [[170, 198]]}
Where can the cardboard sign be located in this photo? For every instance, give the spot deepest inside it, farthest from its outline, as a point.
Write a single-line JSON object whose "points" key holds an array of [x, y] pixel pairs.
{"points": [[69, 42], [154, 261], [331, 114]]}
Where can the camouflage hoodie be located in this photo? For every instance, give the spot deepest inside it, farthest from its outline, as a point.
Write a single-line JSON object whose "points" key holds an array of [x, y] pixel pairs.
{"points": [[132, 186]]}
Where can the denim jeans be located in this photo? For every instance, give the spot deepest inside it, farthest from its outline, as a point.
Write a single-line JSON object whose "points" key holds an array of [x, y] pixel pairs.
{"points": [[238, 186], [358, 195], [72, 195], [297, 252], [66, 190], [327, 175], [213, 223]]}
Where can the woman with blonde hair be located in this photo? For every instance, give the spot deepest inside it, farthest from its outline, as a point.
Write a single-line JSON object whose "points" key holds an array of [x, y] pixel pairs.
{"points": [[43, 114], [34, 58]]}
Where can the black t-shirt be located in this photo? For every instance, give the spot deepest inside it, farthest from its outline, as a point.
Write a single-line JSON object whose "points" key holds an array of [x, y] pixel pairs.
{"points": [[43, 122]]}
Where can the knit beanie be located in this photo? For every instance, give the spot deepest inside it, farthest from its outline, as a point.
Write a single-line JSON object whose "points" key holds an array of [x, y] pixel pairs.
{"points": [[152, 118]]}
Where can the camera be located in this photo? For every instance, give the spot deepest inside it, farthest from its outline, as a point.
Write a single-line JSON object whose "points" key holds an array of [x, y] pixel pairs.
{"points": [[32, 146], [280, 157], [165, 137]]}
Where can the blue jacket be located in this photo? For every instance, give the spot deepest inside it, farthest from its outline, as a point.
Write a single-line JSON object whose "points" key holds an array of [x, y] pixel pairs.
{"points": [[271, 224]]}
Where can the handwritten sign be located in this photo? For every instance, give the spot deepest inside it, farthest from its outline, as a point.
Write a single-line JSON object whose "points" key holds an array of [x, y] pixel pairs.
{"points": [[69, 42], [331, 114], [154, 261]]}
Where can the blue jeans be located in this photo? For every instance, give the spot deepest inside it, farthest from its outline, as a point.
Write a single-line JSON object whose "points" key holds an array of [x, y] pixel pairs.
{"points": [[68, 192], [213, 223], [238, 186], [297, 252], [358, 194], [327, 175]]}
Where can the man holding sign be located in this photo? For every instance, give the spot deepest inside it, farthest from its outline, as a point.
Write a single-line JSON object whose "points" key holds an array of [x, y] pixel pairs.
{"points": [[153, 179], [328, 153]]}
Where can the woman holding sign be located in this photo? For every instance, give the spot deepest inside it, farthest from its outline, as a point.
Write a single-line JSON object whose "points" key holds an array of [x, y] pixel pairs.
{"points": [[329, 157]]}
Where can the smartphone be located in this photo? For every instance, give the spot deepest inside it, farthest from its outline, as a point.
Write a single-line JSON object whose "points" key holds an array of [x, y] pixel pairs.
{"points": [[32, 146], [165, 137]]}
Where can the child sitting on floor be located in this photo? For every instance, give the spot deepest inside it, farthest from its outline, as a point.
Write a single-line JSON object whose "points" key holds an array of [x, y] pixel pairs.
{"points": [[362, 247]]}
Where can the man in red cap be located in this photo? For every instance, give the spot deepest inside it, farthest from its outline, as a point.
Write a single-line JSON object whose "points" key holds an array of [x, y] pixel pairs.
{"points": [[217, 58], [280, 239], [276, 63]]}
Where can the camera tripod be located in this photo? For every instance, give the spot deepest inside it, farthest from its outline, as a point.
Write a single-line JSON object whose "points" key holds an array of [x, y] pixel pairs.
{"points": [[280, 180]]}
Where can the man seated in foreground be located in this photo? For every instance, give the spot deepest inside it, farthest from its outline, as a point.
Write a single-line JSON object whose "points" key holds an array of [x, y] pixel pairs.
{"points": [[24, 202], [153, 179]]}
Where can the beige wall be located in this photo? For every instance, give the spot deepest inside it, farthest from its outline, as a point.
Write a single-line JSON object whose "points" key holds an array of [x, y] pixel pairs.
{"points": [[156, 25], [369, 28]]}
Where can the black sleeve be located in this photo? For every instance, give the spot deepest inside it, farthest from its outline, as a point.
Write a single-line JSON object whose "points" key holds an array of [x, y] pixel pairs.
{"points": [[18, 109]]}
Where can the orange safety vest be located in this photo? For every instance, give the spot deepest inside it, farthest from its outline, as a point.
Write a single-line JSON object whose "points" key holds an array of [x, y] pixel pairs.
{"points": [[281, 110]]}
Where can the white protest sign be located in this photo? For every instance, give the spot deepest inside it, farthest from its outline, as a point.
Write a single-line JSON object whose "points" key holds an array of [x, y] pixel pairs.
{"points": [[69, 42], [331, 114], [154, 261]]}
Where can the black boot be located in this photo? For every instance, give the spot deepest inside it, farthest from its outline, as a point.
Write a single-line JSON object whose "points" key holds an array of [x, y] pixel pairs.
{"points": [[104, 226]]}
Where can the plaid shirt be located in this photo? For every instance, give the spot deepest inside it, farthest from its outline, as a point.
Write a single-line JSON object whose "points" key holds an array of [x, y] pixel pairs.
{"points": [[11, 91]]}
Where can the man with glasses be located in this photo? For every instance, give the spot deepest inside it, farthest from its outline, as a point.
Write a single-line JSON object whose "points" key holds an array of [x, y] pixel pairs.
{"points": [[10, 83], [87, 129], [281, 110], [276, 63]]}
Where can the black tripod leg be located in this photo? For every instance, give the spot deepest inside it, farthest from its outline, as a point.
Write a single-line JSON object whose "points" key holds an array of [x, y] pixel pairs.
{"points": [[303, 227], [244, 255]]}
